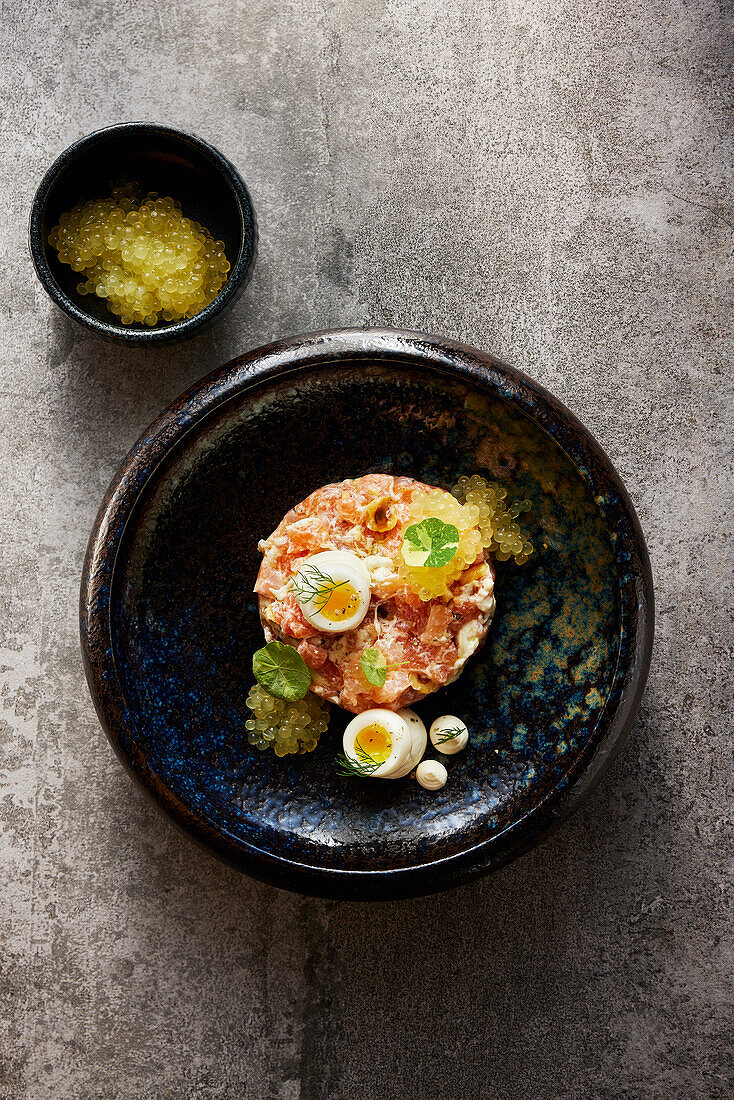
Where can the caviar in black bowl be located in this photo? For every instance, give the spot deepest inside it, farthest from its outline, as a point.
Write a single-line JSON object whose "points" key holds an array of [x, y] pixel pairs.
{"points": [[156, 159]]}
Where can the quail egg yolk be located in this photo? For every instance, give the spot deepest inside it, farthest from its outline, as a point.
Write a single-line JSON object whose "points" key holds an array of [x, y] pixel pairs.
{"points": [[375, 741], [341, 603]]}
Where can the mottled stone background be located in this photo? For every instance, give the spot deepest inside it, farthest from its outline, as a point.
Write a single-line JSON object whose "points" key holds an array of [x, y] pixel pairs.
{"points": [[547, 179]]}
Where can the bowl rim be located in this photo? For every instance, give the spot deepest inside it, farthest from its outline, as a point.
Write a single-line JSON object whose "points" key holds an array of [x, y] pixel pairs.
{"points": [[262, 366], [239, 273]]}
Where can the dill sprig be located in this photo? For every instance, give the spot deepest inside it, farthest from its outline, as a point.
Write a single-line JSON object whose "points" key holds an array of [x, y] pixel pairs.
{"points": [[448, 735], [361, 765], [315, 586]]}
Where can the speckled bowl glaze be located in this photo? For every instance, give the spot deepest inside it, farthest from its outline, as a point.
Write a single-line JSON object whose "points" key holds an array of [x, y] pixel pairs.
{"points": [[158, 158], [169, 622]]}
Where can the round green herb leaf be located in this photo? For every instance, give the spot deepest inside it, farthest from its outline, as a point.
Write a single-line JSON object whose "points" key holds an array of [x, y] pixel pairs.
{"points": [[374, 667], [282, 671], [430, 543]]}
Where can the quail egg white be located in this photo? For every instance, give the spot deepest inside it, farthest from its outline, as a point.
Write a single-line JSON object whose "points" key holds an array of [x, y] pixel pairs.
{"points": [[418, 741]]}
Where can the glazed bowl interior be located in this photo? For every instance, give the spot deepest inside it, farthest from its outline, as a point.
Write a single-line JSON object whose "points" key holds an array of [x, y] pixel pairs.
{"points": [[542, 700], [159, 159]]}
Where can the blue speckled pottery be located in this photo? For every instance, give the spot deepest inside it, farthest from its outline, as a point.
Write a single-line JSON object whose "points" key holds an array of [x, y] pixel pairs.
{"points": [[169, 622]]}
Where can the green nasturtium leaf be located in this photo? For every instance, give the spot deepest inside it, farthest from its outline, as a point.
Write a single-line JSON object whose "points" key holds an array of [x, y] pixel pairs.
{"points": [[374, 667], [430, 543], [282, 671]]}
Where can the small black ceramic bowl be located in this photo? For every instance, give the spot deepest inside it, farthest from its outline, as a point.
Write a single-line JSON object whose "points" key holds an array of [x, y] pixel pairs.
{"points": [[170, 621], [157, 158]]}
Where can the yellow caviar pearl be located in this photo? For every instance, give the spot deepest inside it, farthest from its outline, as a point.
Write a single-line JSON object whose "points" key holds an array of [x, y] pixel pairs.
{"points": [[282, 726], [499, 531], [429, 583], [144, 257]]}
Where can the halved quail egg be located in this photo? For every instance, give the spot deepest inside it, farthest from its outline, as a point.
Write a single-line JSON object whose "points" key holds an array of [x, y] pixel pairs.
{"points": [[378, 743], [333, 590]]}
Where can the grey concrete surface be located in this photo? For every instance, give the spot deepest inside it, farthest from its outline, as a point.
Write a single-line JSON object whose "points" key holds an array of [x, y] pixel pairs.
{"points": [[547, 179]]}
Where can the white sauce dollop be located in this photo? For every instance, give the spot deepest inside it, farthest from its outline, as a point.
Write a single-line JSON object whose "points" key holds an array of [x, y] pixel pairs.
{"points": [[431, 774], [445, 725]]}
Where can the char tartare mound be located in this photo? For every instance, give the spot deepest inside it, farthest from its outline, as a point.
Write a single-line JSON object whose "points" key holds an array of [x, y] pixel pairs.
{"points": [[425, 639]]}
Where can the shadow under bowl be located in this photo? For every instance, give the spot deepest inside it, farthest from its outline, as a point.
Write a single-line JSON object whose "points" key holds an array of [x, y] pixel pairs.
{"points": [[169, 621], [171, 163]]}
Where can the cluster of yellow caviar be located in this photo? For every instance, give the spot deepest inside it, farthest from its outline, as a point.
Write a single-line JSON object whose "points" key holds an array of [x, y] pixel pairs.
{"points": [[429, 583], [500, 533], [145, 258], [285, 727]]}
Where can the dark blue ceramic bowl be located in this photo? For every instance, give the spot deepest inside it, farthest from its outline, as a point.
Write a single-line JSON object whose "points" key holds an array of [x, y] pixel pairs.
{"points": [[157, 158], [169, 622]]}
